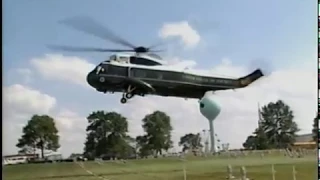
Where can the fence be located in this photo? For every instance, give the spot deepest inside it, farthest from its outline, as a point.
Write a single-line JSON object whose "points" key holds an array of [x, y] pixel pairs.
{"points": [[244, 175], [259, 154]]}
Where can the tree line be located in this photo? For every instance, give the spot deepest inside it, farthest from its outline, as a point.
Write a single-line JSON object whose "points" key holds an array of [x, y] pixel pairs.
{"points": [[107, 134]]}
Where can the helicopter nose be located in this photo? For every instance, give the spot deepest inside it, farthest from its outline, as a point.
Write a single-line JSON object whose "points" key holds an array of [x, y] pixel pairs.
{"points": [[91, 78]]}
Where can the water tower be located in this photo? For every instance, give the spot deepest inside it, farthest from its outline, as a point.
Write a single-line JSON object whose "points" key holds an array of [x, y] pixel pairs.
{"points": [[210, 110]]}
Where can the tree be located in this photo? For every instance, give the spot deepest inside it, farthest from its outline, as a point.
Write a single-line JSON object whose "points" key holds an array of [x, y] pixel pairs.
{"points": [[250, 142], [143, 148], [258, 141], [27, 150], [39, 133], [315, 127], [276, 130], [158, 132], [106, 135], [190, 142]]}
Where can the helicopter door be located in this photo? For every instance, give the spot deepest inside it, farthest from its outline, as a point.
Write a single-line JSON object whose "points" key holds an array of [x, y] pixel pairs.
{"points": [[129, 68], [129, 72]]}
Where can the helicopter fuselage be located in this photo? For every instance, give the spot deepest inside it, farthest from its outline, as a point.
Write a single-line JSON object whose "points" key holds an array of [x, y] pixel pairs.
{"points": [[140, 80]]}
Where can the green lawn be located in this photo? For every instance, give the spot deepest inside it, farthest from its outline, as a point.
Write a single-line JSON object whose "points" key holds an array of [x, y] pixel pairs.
{"points": [[167, 169]]}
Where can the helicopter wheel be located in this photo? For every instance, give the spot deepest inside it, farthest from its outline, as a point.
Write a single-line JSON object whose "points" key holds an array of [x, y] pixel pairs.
{"points": [[123, 100], [129, 95]]}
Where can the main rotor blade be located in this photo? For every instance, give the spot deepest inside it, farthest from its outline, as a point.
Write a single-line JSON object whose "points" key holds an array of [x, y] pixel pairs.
{"points": [[88, 25], [161, 43], [156, 45], [86, 49], [159, 50]]}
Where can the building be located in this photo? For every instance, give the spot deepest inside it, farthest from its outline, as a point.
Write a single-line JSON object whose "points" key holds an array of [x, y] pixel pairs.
{"points": [[77, 157], [53, 157], [18, 158], [305, 141]]}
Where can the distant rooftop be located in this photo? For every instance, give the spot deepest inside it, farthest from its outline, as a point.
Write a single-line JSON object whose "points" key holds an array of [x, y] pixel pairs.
{"points": [[21, 155], [304, 138]]}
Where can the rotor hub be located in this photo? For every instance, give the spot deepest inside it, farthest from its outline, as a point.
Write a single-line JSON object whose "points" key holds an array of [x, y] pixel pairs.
{"points": [[141, 49]]}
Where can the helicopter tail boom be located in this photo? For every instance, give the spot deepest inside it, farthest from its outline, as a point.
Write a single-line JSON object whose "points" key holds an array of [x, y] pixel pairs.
{"points": [[250, 78]]}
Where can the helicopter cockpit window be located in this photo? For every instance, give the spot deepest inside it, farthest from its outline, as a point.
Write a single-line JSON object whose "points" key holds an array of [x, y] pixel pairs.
{"points": [[143, 61], [113, 58], [100, 69]]}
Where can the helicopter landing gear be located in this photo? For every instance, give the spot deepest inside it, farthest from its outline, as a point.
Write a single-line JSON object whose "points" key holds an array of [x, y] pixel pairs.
{"points": [[125, 97], [123, 100], [128, 94]]}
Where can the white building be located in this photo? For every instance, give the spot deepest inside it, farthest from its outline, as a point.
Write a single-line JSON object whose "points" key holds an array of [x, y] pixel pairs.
{"points": [[18, 158]]}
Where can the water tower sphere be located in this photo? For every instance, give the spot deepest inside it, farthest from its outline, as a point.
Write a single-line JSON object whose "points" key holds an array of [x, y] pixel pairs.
{"points": [[209, 108]]}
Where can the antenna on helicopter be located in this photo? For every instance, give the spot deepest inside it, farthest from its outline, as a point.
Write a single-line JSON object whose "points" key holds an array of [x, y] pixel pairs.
{"points": [[88, 25]]}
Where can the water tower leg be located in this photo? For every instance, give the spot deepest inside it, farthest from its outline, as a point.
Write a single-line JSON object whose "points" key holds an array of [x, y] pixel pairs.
{"points": [[212, 137]]}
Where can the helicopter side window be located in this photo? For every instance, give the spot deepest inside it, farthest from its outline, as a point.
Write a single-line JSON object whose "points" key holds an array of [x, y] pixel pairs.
{"points": [[142, 61], [123, 60], [139, 73]]}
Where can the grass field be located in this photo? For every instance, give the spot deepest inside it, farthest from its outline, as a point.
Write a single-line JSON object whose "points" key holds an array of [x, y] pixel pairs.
{"points": [[167, 169]]}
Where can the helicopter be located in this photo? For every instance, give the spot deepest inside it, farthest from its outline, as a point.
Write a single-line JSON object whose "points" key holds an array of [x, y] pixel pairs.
{"points": [[144, 72]]}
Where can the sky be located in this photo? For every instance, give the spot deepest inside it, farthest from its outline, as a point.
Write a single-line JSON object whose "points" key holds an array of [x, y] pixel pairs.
{"points": [[226, 37]]}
